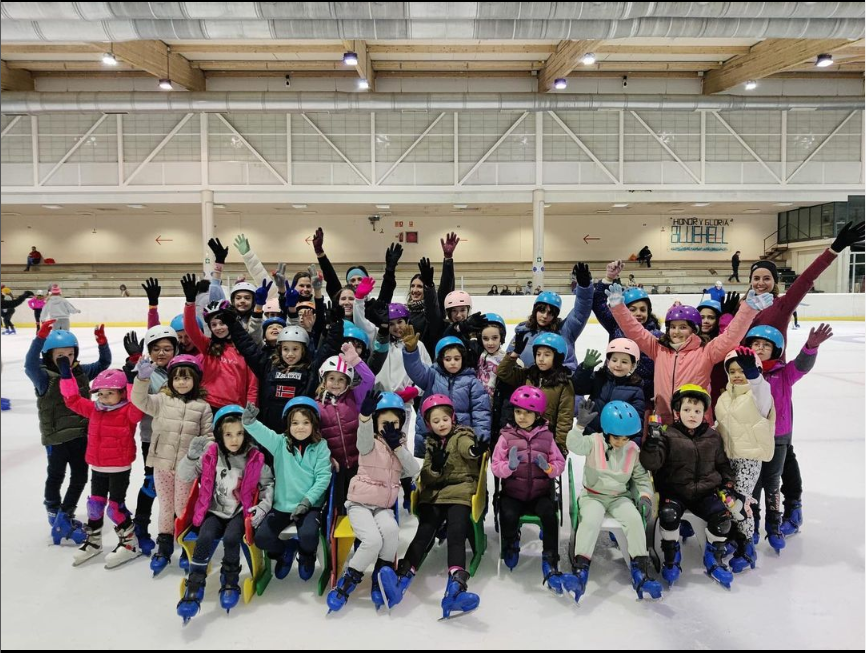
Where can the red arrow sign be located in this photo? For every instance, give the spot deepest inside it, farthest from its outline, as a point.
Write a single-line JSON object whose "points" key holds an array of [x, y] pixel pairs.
{"points": [[160, 240], [308, 239], [587, 238]]}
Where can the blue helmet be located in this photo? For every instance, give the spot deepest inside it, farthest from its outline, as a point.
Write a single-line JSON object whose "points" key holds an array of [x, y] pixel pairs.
{"points": [[766, 332], [391, 401], [231, 409], [633, 295], [177, 323], [620, 419], [355, 333], [550, 298], [553, 340], [297, 402], [273, 320], [448, 341], [495, 318], [711, 303], [58, 339]]}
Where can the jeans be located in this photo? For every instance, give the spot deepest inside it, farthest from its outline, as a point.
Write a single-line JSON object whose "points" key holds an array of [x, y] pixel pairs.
{"points": [[510, 511], [230, 530], [268, 534]]}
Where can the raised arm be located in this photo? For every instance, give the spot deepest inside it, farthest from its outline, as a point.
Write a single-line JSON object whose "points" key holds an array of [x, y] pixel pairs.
{"points": [[633, 330]]}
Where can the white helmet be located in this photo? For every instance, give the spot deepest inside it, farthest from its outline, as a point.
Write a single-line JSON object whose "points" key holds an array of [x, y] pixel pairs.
{"points": [[337, 364], [158, 333], [294, 334], [718, 284], [243, 285]]}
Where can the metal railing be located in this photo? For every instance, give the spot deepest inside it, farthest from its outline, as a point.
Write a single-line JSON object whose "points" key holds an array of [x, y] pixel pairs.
{"points": [[776, 233]]}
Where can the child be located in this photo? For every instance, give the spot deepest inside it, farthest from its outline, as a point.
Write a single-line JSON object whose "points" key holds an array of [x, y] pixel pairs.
{"points": [[271, 328], [612, 476], [232, 470], [549, 373], [36, 304], [59, 309], [691, 472], [449, 476], [383, 460], [9, 303], [449, 375], [185, 345], [616, 381], [768, 342], [527, 460], [179, 413], [492, 336], [64, 432], [747, 422], [681, 355], [110, 453], [710, 311], [302, 469]]}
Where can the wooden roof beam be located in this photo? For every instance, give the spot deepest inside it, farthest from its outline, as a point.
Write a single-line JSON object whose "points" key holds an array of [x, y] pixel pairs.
{"points": [[15, 80], [156, 58], [563, 61], [365, 65]]}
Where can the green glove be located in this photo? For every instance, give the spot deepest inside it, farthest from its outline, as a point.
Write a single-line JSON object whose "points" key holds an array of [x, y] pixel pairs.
{"points": [[591, 359], [242, 244]]}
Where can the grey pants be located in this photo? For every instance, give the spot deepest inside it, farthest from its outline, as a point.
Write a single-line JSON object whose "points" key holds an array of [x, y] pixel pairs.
{"points": [[593, 508], [60, 324], [378, 532], [747, 472]]}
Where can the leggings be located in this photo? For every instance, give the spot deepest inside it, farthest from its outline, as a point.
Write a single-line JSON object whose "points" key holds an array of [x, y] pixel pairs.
{"points": [[230, 530], [430, 519], [110, 488], [268, 534], [147, 493], [510, 511], [173, 494]]}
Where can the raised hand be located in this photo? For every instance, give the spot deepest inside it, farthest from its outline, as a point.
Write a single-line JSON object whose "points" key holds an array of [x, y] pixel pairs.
{"points": [[614, 269], [731, 303], [292, 298], [219, 252], [152, 289], [188, 284], [449, 244], [365, 287], [410, 338], [848, 235], [592, 358], [250, 413], [45, 328], [262, 292], [318, 242], [280, 278], [520, 340], [585, 413], [132, 345], [99, 334], [614, 295], [819, 335], [370, 402], [582, 274], [759, 302], [426, 271], [242, 244], [392, 256]]}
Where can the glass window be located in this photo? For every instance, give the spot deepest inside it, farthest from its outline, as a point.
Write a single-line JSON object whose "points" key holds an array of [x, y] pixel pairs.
{"points": [[827, 213], [857, 270], [783, 228], [841, 216], [815, 222], [802, 231]]}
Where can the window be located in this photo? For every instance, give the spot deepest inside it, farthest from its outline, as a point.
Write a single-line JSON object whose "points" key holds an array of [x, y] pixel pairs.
{"points": [[814, 222], [856, 272]]}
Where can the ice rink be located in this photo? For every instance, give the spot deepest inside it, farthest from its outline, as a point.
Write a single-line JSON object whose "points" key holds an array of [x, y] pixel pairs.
{"points": [[812, 596]]}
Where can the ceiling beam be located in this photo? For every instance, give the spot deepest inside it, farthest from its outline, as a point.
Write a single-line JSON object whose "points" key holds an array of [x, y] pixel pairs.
{"points": [[483, 48], [69, 66], [458, 65], [261, 48], [15, 80], [706, 50], [365, 64], [767, 58], [46, 48], [259, 64], [563, 61], [156, 58]]}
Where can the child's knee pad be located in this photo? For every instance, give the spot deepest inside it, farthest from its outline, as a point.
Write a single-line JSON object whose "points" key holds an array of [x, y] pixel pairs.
{"points": [[96, 507], [149, 487], [719, 523], [117, 512]]}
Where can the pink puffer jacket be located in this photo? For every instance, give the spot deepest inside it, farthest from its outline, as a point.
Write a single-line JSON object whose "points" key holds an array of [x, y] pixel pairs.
{"points": [[378, 480]]}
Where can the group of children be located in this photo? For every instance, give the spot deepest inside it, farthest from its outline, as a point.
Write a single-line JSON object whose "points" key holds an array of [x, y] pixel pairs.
{"points": [[256, 409], [54, 305]]}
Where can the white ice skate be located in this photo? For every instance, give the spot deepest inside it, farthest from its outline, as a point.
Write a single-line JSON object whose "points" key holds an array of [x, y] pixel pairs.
{"points": [[91, 547], [127, 548]]}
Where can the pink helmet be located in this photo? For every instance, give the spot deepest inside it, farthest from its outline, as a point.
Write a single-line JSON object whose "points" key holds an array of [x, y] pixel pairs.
{"points": [[433, 401], [109, 380], [529, 398], [272, 306], [185, 360], [55, 290], [624, 346], [457, 298]]}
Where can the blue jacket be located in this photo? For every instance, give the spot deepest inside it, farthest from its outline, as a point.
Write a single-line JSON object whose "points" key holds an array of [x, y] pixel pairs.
{"points": [[716, 294], [602, 387], [471, 401], [38, 373], [570, 329]]}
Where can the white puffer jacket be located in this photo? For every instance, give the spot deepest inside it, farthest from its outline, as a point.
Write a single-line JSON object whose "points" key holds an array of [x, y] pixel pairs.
{"points": [[747, 420]]}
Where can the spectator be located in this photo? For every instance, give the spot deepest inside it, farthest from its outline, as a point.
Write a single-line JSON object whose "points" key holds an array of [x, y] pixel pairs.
{"points": [[645, 256], [527, 289], [506, 291], [668, 290], [494, 290], [631, 283], [538, 290], [123, 291], [735, 266], [33, 258]]}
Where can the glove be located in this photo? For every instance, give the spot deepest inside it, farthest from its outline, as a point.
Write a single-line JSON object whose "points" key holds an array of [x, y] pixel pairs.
{"points": [[315, 277], [293, 297], [242, 244], [410, 339], [145, 369], [188, 284], [377, 312], [392, 436], [348, 354], [759, 302], [520, 340], [591, 359], [280, 278], [746, 360], [582, 275], [449, 244], [477, 450], [513, 459], [45, 328], [614, 295], [426, 272], [132, 344], [474, 323], [614, 269], [392, 256], [819, 335], [257, 515], [229, 317], [365, 287], [541, 462], [645, 507], [250, 413], [731, 303], [219, 252], [318, 242], [64, 366], [438, 458], [848, 235], [152, 289], [301, 509], [408, 393], [585, 413], [197, 446], [99, 332], [369, 404], [262, 293]]}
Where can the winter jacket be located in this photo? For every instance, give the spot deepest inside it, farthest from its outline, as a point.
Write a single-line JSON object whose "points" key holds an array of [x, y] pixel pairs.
{"points": [[36, 304], [747, 420], [227, 378], [691, 363], [256, 476], [175, 423], [571, 328], [258, 272], [393, 376], [339, 419], [485, 370], [298, 476], [688, 466], [8, 304], [528, 481], [602, 387], [57, 308], [158, 381], [646, 365], [609, 471], [380, 469], [459, 479], [560, 397], [428, 321], [782, 377], [471, 404], [716, 294], [111, 432]]}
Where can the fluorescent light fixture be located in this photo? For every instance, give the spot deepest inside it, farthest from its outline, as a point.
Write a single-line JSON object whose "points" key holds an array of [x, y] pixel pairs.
{"points": [[109, 59], [752, 211], [299, 206], [383, 206], [363, 84], [136, 206], [751, 85], [783, 204], [547, 206], [588, 59], [460, 206], [824, 60], [560, 83], [620, 206], [165, 84], [603, 211], [701, 204], [51, 206], [677, 211], [219, 206], [350, 59]]}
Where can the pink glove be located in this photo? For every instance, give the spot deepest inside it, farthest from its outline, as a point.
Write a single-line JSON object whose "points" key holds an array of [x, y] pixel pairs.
{"points": [[408, 393], [68, 387], [724, 321], [365, 287], [348, 353], [614, 268]]}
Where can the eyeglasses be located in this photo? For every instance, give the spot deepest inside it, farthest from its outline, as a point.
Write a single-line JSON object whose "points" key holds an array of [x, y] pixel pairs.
{"points": [[162, 350]]}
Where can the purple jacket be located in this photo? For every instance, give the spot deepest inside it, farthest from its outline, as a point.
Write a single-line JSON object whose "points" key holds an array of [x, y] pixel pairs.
{"points": [[782, 377], [340, 420], [528, 481], [249, 482]]}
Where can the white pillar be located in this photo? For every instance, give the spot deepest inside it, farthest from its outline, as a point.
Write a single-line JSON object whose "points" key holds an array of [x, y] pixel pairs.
{"points": [[207, 231], [537, 238]]}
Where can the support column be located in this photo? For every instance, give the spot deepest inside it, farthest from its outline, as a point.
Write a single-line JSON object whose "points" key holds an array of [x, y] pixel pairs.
{"points": [[207, 231], [537, 238]]}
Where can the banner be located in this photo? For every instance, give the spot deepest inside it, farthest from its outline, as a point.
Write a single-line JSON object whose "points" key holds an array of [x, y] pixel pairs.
{"points": [[699, 234]]}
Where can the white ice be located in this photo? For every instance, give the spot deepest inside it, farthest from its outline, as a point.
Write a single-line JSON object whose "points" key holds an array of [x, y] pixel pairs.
{"points": [[811, 596]]}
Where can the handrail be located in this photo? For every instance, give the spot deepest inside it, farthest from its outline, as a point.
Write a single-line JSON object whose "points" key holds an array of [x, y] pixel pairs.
{"points": [[787, 241]]}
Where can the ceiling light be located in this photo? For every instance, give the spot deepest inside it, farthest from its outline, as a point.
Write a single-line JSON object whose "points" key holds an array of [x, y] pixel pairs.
{"points": [[677, 211], [751, 85], [219, 206], [299, 206], [383, 206], [752, 211], [588, 59], [363, 84], [547, 206], [620, 206], [51, 206], [824, 60], [350, 59], [135, 206], [560, 83], [165, 84], [460, 206], [701, 204], [783, 203], [109, 59], [603, 211]]}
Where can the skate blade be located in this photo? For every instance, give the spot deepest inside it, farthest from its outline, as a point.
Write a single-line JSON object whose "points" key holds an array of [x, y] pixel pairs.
{"points": [[120, 564], [719, 583], [457, 615], [78, 563]]}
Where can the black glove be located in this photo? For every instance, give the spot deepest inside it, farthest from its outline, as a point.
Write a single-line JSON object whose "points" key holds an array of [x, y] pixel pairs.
{"points": [[188, 284], [438, 458], [426, 271], [64, 367], [392, 256], [220, 253], [477, 450], [731, 303], [392, 436], [582, 275], [848, 235], [229, 317], [473, 324], [520, 340], [652, 443], [376, 311], [336, 315], [369, 403], [746, 360], [152, 288], [132, 344]]}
